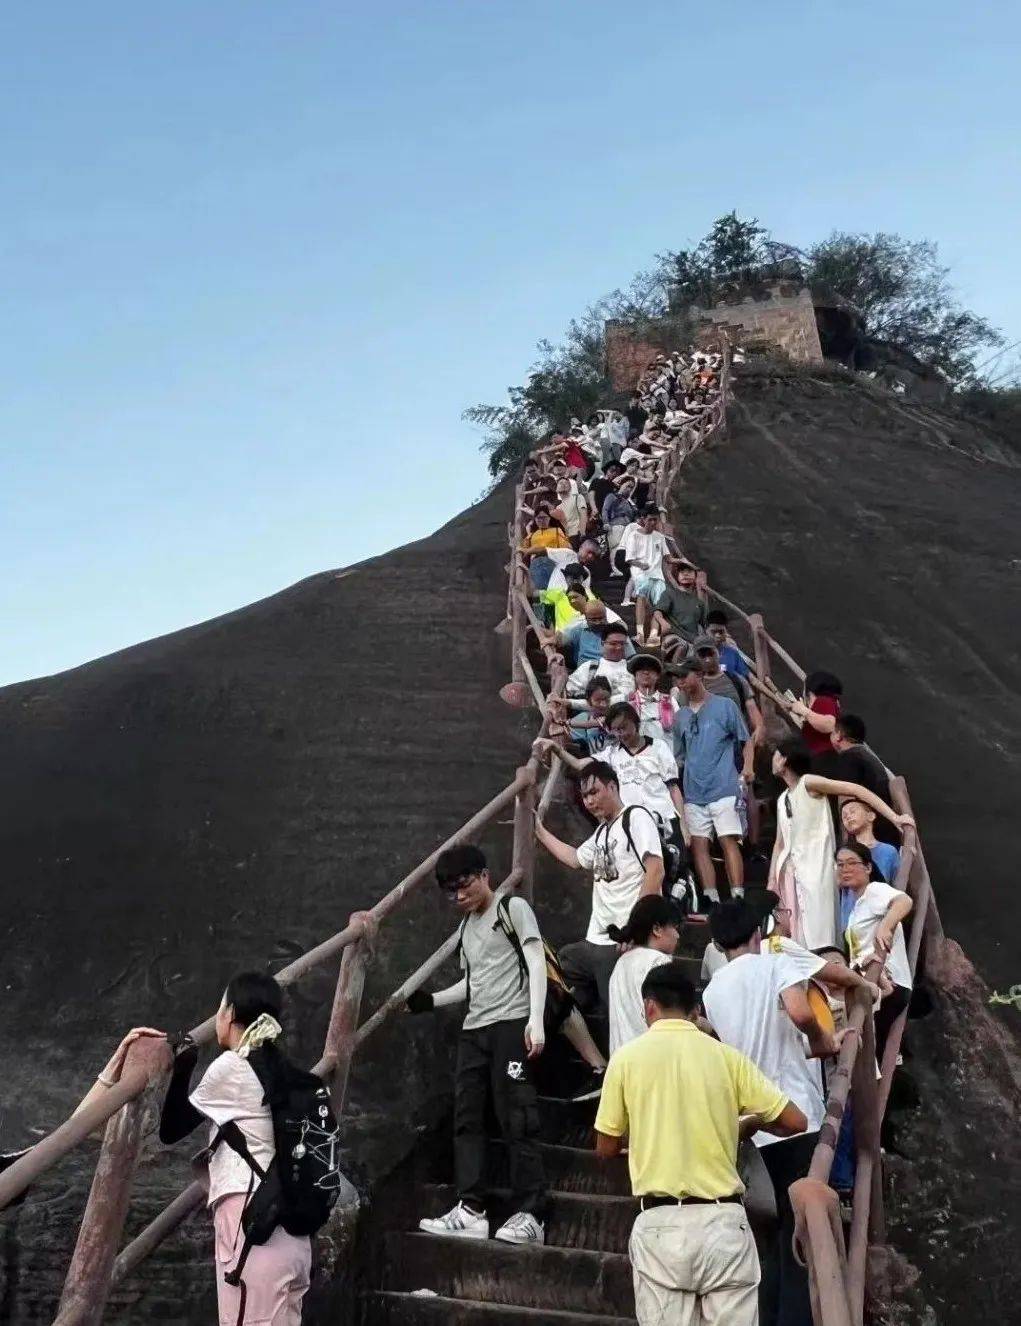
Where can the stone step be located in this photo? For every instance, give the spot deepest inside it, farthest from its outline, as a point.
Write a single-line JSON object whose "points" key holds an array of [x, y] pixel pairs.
{"points": [[568, 1279], [390, 1308], [571, 1169], [596, 1221]]}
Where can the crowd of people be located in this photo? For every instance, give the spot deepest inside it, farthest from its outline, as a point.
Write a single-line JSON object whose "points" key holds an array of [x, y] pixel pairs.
{"points": [[662, 727]]}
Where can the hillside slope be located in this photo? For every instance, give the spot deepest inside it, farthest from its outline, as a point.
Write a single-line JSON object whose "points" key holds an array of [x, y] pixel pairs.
{"points": [[226, 795]]}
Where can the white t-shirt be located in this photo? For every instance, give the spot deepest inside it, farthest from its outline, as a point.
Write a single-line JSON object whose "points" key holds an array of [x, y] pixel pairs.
{"points": [[565, 557], [643, 777], [806, 961], [627, 1012], [617, 870], [574, 508], [231, 1092], [649, 548], [742, 1002], [616, 673], [866, 914]]}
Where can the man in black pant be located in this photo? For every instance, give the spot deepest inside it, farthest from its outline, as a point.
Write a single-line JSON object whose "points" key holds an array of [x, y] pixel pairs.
{"points": [[758, 1003], [505, 984]]}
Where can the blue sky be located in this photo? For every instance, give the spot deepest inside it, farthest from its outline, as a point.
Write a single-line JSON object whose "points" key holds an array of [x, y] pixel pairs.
{"points": [[256, 257]]}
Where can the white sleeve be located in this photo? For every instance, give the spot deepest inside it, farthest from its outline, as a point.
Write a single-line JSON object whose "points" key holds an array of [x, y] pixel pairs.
{"points": [[229, 1090], [579, 679], [644, 833], [586, 852], [562, 556], [793, 968], [665, 760]]}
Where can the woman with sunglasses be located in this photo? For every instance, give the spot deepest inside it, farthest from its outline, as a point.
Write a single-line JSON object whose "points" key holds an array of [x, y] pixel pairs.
{"points": [[803, 869], [875, 930]]}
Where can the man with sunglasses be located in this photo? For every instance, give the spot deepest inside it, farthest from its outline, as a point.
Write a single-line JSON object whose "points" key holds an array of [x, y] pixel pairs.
{"points": [[504, 983]]}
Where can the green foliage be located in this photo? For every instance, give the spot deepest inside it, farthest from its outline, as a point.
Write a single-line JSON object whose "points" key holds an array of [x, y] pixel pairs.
{"points": [[901, 291], [904, 296]]}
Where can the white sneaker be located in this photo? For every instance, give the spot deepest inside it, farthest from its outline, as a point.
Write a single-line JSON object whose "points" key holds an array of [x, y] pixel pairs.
{"points": [[460, 1223], [619, 575], [522, 1228]]}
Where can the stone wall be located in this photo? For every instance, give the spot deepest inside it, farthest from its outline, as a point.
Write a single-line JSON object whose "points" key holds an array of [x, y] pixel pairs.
{"points": [[781, 315]]}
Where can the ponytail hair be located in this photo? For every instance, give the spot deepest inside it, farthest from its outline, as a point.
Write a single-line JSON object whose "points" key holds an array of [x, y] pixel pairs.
{"points": [[647, 913]]}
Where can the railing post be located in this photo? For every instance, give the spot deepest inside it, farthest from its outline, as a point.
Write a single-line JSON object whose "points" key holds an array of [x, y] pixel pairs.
{"points": [[523, 857], [347, 1003], [87, 1286], [760, 646], [867, 1222]]}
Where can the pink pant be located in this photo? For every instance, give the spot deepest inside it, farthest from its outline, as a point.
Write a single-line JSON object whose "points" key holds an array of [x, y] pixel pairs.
{"points": [[276, 1274]]}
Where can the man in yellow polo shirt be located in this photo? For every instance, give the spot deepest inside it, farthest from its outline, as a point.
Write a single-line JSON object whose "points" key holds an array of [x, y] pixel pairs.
{"points": [[683, 1099]]}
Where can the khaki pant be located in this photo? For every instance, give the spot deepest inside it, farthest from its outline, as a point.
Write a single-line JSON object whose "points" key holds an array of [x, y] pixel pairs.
{"points": [[695, 1265]]}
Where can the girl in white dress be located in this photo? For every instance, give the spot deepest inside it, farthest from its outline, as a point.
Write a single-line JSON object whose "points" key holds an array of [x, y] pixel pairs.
{"points": [[803, 869]]}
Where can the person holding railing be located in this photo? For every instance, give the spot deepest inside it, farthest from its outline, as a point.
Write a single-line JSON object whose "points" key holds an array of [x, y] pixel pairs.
{"points": [[612, 665], [625, 856], [858, 822], [257, 1282], [758, 1003], [803, 868], [503, 1032], [679, 609], [875, 930]]}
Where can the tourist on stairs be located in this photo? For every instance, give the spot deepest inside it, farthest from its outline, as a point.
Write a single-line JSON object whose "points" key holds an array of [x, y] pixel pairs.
{"points": [[504, 984], [680, 611], [803, 869], [730, 656], [875, 930], [654, 708], [255, 1282], [612, 665], [645, 551], [650, 937], [710, 738], [625, 856], [758, 1003], [682, 1099], [858, 822]]}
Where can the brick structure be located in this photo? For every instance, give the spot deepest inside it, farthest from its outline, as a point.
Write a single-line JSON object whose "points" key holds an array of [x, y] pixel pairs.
{"points": [[780, 314]]}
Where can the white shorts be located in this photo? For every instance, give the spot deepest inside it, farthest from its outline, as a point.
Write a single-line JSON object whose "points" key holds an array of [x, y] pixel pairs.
{"points": [[650, 587], [719, 816]]}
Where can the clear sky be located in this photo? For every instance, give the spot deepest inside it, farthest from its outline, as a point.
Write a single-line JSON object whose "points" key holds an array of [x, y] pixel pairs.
{"points": [[257, 256]]}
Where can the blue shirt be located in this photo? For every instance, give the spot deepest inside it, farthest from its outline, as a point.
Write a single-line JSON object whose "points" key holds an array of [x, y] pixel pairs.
{"points": [[587, 644], [732, 662], [707, 743], [887, 860]]}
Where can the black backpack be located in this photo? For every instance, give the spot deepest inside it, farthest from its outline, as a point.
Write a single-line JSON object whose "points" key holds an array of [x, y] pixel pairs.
{"points": [[559, 1000], [678, 881], [300, 1188]]}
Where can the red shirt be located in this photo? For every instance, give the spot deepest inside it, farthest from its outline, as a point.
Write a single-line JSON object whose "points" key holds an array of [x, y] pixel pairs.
{"points": [[819, 742]]}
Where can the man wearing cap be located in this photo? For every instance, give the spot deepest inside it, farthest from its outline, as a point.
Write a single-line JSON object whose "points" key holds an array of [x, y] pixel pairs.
{"points": [[655, 710], [718, 682], [612, 665], [758, 1003], [680, 610], [709, 737], [682, 1099]]}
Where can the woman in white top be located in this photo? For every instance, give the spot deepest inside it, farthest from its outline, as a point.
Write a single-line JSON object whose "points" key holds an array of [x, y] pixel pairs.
{"points": [[875, 930], [654, 929], [803, 869], [571, 511], [276, 1273]]}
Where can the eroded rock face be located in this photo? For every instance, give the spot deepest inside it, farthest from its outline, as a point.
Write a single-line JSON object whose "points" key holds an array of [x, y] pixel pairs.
{"points": [[223, 797]]}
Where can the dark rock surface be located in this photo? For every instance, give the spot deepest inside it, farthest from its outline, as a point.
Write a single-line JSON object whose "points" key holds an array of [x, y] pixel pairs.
{"points": [[225, 795]]}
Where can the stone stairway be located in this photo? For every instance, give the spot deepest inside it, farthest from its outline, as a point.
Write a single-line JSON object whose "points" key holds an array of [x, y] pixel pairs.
{"points": [[580, 1276]]}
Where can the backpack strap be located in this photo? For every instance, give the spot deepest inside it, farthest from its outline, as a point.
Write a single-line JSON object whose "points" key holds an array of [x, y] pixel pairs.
{"points": [[625, 824], [504, 922], [230, 1133], [459, 950]]}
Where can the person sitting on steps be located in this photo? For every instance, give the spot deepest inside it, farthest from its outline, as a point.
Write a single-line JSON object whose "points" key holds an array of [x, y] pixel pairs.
{"points": [[502, 1033]]}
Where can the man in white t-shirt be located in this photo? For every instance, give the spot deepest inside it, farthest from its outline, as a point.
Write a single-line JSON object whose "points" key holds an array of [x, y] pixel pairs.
{"points": [[563, 557], [613, 665], [758, 1003], [625, 857], [645, 549]]}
